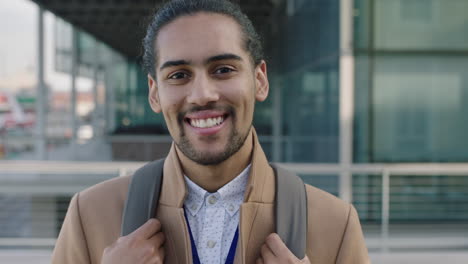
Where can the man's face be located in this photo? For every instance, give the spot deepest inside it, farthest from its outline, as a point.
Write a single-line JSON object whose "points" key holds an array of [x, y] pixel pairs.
{"points": [[206, 86]]}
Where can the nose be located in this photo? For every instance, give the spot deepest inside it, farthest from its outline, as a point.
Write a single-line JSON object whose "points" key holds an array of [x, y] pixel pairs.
{"points": [[203, 91]]}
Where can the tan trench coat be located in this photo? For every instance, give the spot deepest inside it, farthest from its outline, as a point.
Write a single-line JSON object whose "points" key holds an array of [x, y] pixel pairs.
{"points": [[93, 220]]}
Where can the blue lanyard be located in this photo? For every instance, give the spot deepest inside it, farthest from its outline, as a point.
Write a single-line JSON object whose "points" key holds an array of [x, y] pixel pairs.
{"points": [[232, 249]]}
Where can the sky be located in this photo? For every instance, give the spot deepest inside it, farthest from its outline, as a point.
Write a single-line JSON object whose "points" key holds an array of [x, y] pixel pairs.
{"points": [[18, 45]]}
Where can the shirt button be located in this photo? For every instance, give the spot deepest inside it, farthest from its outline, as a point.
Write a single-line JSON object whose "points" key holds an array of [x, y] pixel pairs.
{"points": [[194, 207], [231, 207], [212, 200], [210, 244]]}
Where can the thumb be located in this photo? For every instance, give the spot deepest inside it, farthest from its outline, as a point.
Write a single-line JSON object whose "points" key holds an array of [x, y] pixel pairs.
{"points": [[305, 260]]}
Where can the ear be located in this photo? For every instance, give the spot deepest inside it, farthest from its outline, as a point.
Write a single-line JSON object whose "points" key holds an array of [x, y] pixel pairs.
{"points": [[261, 82], [153, 97]]}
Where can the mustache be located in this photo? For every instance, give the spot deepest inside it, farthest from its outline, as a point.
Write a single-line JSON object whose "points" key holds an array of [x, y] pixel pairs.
{"points": [[228, 109]]}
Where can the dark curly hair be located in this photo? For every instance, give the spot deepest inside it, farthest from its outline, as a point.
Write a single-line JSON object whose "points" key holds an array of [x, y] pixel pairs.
{"points": [[177, 8]]}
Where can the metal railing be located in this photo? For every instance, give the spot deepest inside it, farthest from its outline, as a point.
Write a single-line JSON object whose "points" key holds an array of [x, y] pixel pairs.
{"points": [[54, 173]]}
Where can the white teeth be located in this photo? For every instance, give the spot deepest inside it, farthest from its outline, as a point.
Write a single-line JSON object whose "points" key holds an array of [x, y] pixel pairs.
{"points": [[205, 123], [202, 123], [210, 122]]}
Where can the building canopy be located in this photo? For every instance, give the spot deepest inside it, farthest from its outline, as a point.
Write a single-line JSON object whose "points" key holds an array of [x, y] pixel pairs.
{"points": [[121, 23]]}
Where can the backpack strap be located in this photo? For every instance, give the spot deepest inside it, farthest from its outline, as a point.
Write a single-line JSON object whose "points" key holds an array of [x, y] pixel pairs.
{"points": [[291, 210], [290, 204], [142, 196]]}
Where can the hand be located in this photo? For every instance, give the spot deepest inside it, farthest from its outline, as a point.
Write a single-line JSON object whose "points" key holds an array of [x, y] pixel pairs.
{"points": [[143, 246], [275, 251]]}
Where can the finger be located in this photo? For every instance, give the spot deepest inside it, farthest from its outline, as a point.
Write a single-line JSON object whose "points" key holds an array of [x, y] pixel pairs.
{"points": [[157, 240], [267, 255], [259, 261], [277, 246], [305, 260], [159, 258], [148, 229]]}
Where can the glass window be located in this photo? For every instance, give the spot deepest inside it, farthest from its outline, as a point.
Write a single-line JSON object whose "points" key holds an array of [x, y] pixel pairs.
{"points": [[310, 112], [363, 107], [415, 110], [135, 115], [362, 18], [411, 24], [421, 24], [306, 63]]}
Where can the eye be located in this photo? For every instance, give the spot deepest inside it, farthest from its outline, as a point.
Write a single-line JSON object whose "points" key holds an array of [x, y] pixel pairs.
{"points": [[223, 70], [178, 76]]}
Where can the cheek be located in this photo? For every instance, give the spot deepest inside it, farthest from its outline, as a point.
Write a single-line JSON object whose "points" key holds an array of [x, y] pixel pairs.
{"points": [[170, 111], [240, 92], [170, 101]]}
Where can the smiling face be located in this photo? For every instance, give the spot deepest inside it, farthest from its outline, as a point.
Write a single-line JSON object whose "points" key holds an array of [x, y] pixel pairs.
{"points": [[206, 86]]}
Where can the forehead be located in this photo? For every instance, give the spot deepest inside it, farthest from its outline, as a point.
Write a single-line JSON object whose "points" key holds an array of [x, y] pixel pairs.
{"points": [[197, 37]]}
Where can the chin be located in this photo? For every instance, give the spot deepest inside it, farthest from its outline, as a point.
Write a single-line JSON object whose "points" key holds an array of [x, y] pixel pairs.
{"points": [[207, 155], [211, 150], [210, 159]]}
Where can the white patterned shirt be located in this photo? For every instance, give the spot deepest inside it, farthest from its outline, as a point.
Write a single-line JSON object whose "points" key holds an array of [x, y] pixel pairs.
{"points": [[214, 217]]}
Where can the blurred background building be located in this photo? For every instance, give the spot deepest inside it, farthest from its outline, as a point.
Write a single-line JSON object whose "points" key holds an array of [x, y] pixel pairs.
{"points": [[367, 101]]}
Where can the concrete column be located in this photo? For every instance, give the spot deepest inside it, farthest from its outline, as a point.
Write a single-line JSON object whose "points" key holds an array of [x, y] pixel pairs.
{"points": [[95, 121], [346, 97], [107, 96], [109, 99], [73, 97], [41, 92]]}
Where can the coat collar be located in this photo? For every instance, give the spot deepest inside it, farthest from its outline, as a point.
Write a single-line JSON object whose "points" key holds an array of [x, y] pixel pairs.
{"points": [[256, 213], [261, 175], [174, 189]]}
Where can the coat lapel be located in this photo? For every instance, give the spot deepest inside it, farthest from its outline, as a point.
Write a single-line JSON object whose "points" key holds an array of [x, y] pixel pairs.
{"points": [[177, 245], [257, 211], [171, 213]]}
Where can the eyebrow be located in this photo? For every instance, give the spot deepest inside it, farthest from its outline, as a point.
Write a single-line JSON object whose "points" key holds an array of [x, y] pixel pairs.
{"points": [[173, 63], [226, 56]]}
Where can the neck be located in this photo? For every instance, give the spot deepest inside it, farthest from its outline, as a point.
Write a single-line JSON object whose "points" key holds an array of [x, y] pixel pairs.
{"points": [[213, 177]]}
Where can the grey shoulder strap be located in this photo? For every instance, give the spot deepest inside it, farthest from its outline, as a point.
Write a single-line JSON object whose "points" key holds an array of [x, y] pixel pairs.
{"points": [[142, 196], [291, 210], [291, 204]]}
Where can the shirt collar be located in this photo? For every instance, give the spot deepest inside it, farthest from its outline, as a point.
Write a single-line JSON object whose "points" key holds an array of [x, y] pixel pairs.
{"points": [[195, 196], [230, 195]]}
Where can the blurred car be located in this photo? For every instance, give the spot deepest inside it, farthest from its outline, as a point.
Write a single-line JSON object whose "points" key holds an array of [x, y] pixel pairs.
{"points": [[12, 115], [16, 126]]}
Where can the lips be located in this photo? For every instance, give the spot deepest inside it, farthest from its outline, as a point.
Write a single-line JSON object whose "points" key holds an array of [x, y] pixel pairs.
{"points": [[206, 122]]}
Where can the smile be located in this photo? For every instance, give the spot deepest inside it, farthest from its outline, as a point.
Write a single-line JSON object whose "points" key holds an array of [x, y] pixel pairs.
{"points": [[207, 122]]}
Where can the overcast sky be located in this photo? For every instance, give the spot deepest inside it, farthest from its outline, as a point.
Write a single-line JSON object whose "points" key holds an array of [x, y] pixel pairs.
{"points": [[18, 35], [18, 44]]}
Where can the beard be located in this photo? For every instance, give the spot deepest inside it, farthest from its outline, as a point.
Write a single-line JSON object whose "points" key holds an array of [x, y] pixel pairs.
{"points": [[235, 141]]}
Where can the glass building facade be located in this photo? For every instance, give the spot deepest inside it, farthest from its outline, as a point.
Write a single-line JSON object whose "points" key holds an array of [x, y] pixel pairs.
{"points": [[411, 81], [411, 88]]}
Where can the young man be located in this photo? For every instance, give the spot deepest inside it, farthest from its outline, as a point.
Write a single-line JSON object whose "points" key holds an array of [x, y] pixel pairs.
{"points": [[205, 73]]}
